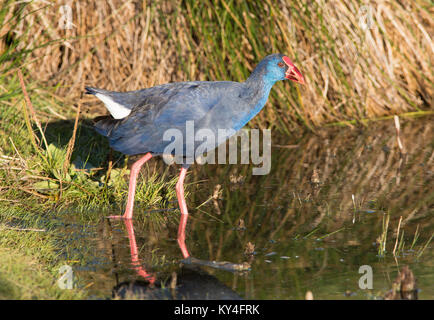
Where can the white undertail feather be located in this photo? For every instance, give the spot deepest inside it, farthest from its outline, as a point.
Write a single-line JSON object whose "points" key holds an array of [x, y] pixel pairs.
{"points": [[117, 110]]}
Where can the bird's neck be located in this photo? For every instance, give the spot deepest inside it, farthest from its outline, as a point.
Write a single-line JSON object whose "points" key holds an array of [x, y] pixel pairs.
{"points": [[256, 92], [258, 85]]}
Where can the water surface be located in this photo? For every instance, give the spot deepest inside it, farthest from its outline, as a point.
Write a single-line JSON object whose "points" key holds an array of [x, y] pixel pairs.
{"points": [[313, 221]]}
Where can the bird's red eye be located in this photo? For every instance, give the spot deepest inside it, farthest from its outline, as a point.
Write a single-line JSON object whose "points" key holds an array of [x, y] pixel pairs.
{"points": [[281, 64]]}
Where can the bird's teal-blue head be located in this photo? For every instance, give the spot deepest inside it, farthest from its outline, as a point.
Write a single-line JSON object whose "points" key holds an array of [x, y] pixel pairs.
{"points": [[277, 67]]}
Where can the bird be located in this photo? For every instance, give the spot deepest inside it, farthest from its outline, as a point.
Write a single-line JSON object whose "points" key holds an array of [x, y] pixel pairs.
{"points": [[139, 119]]}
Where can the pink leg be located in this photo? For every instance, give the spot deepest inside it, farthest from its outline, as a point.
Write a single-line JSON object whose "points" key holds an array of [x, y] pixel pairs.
{"points": [[135, 253], [184, 212], [135, 169]]}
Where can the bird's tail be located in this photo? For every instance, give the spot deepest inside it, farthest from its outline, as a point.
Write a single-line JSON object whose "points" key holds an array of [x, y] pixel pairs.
{"points": [[115, 102], [104, 124], [91, 90]]}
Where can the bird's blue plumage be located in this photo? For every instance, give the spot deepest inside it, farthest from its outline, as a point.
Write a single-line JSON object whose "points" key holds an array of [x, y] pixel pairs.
{"points": [[211, 105]]}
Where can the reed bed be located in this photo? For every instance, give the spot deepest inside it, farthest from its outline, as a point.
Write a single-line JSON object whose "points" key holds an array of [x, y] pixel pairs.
{"points": [[360, 60]]}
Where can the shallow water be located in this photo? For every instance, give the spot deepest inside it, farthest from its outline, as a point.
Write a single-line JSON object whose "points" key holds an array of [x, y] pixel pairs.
{"points": [[314, 221]]}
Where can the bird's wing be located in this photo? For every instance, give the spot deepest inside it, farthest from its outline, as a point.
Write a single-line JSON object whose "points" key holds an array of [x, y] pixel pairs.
{"points": [[166, 107], [120, 104]]}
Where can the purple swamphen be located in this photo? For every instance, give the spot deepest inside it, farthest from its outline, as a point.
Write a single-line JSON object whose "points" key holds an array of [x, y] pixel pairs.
{"points": [[140, 118]]}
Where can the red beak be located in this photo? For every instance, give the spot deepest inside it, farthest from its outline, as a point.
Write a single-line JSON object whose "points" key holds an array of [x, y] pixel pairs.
{"points": [[292, 73]]}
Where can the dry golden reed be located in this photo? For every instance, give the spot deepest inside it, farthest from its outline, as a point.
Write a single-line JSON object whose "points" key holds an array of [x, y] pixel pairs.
{"points": [[360, 59]]}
